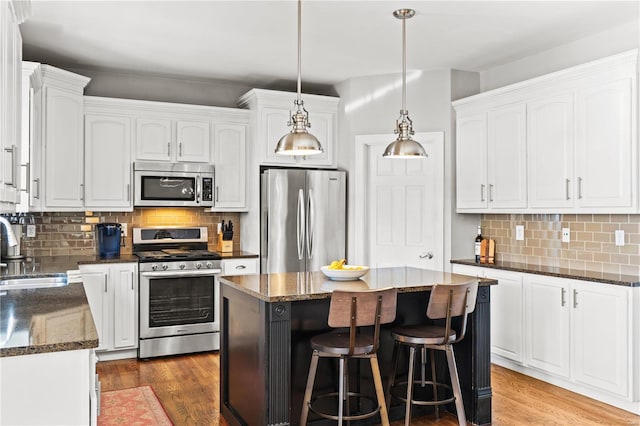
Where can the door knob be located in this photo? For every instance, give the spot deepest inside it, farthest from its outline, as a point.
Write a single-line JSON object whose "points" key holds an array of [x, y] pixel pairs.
{"points": [[428, 255]]}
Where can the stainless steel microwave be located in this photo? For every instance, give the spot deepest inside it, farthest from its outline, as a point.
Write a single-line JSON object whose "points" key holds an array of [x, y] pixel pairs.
{"points": [[173, 184]]}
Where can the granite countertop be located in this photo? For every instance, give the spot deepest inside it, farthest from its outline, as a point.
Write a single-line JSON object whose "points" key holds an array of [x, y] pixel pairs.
{"points": [[45, 320], [555, 271], [292, 286]]}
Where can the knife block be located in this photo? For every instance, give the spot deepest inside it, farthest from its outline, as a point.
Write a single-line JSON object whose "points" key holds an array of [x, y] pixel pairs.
{"points": [[224, 246]]}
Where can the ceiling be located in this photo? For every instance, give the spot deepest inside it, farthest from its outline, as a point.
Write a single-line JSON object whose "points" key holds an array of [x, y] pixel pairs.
{"points": [[254, 42]]}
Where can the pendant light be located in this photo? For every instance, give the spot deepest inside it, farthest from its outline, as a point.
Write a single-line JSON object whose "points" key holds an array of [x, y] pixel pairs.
{"points": [[404, 146], [299, 141]]}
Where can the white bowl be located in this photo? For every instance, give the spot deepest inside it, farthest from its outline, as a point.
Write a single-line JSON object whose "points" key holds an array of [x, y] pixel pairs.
{"points": [[345, 274]]}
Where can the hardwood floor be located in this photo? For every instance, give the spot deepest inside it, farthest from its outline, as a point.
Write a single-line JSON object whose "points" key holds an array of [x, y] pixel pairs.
{"points": [[188, 388]]}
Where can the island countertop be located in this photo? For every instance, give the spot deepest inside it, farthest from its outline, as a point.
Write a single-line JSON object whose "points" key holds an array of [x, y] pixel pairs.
{"points": [[292, 286], [45, 320]]}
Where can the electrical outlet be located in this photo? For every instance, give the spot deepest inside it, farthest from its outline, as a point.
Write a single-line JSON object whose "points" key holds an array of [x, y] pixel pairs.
{"points": [[566, 235], [619, 237], [519, 232], [124, 229]]}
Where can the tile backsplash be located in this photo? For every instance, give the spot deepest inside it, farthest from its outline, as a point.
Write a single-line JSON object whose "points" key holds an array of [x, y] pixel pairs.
{"points": [[592, 246], [69, 234]]}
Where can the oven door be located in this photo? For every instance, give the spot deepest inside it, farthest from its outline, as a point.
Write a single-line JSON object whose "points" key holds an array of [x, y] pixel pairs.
{"points": [[174, 303]]}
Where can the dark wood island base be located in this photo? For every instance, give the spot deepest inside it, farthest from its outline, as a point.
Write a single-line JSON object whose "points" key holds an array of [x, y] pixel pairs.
{"points": [[268, 320]]}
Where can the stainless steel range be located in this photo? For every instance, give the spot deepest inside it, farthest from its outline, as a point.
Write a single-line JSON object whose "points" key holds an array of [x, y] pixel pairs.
{"points": [[179, 291]]}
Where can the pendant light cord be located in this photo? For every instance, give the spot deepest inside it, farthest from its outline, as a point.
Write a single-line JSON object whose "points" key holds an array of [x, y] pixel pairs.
{"points": [[404, 65], [299, 50]]}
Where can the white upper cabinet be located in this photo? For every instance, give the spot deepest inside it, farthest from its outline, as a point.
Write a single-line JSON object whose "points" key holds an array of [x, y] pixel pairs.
{"points": [[57, 140], [107, 172], [563, 142], [471, 153], [270, 113], [550, 151], [12, 13], [155, 140], [507, 161], [230, 167], [606, 149]]}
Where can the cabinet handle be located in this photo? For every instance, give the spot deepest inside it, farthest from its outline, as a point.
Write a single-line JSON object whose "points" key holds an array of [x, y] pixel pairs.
{"points": [[575, 298], [579, 188], [37, 182], [217, 193], [28, 179], [563, 301], [169, 149], [128, 192], [482, 192], [12, 151], [566, 188], [241, 267], [82, 191], [132, 278], [180, 149], [491, 192], [105, 283]]}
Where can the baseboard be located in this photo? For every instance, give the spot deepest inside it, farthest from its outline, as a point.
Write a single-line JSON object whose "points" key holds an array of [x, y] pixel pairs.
{"points": [[114, 355]]}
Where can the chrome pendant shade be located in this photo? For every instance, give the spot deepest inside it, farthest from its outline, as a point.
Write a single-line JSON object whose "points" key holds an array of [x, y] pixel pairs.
{"points": [[299, 141], [404, 146]]}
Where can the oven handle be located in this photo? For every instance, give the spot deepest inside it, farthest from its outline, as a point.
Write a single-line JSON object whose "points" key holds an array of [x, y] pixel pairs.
{"points": [[180, 274]]}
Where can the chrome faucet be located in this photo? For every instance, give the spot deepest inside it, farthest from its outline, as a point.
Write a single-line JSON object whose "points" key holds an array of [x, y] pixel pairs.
{"points": [[11, 237]]}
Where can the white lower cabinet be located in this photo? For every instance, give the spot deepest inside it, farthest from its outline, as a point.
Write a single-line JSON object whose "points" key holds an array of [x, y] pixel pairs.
{"points": [[547, 324], [600, 330], [55, 388], [112, 291], [507, 314], [580, 335]]}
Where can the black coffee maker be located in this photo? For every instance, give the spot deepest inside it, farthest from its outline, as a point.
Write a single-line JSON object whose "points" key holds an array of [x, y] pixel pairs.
{"points": [[108, 238]]}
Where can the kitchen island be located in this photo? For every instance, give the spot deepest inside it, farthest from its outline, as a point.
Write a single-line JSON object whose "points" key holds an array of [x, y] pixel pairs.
{"points": [[267, 321]]}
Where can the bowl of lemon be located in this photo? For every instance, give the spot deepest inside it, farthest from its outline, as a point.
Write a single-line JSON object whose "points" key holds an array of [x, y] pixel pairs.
{"points": [[338, 270]]}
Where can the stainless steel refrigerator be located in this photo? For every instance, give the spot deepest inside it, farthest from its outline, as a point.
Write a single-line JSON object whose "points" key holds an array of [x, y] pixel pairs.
{"points": [[303, 219]]}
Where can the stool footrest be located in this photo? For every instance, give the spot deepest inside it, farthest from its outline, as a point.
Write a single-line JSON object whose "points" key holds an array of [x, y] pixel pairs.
{"points": [[347, 417], [393, 392]]}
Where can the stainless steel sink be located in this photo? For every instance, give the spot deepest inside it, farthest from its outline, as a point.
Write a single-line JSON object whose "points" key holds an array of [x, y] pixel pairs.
{"points": [[31, 281]]}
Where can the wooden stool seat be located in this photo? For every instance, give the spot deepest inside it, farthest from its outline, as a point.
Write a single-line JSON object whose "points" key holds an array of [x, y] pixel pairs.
{"points": [[338, 344], [422, 335], [352, 309]]}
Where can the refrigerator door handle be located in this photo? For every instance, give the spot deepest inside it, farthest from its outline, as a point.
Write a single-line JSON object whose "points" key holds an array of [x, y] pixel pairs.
{"points": [[300, 226], [310, 224]]}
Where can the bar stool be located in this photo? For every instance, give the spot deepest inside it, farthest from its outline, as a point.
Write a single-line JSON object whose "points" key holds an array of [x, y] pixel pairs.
{"points": [[353, 309], [446, 302]]}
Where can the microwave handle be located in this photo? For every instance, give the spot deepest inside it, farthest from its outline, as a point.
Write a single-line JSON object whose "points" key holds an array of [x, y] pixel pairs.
{"points": [[198, 188]]}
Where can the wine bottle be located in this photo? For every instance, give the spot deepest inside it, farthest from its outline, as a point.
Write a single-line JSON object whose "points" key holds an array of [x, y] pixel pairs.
{"points": [[478, 244]]}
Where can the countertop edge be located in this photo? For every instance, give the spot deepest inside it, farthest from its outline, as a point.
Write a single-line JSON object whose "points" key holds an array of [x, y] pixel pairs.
{"points": [[625, 282]]}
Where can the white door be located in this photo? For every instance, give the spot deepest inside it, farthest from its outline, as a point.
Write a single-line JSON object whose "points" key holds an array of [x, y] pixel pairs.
{"points": [[405, 205], [507, 314], [96, 288]]}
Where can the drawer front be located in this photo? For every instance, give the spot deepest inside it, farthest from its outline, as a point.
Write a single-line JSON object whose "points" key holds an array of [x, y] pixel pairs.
{"points": [[239, 266]]}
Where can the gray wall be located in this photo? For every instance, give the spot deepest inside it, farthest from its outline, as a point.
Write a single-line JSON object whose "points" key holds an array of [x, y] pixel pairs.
{"points": [[606, 43]]}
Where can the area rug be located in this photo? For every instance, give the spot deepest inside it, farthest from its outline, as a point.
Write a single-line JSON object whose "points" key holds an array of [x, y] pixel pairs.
{"points": [[132, 407]]}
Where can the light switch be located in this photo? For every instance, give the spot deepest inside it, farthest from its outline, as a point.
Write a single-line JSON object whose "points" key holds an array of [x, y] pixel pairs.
{"points": [[619, 233], [566, 235], [519, 232]]}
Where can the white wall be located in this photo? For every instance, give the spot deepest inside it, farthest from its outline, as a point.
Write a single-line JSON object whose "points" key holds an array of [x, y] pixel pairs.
{"points": [[370, 105], [606, 43]]}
